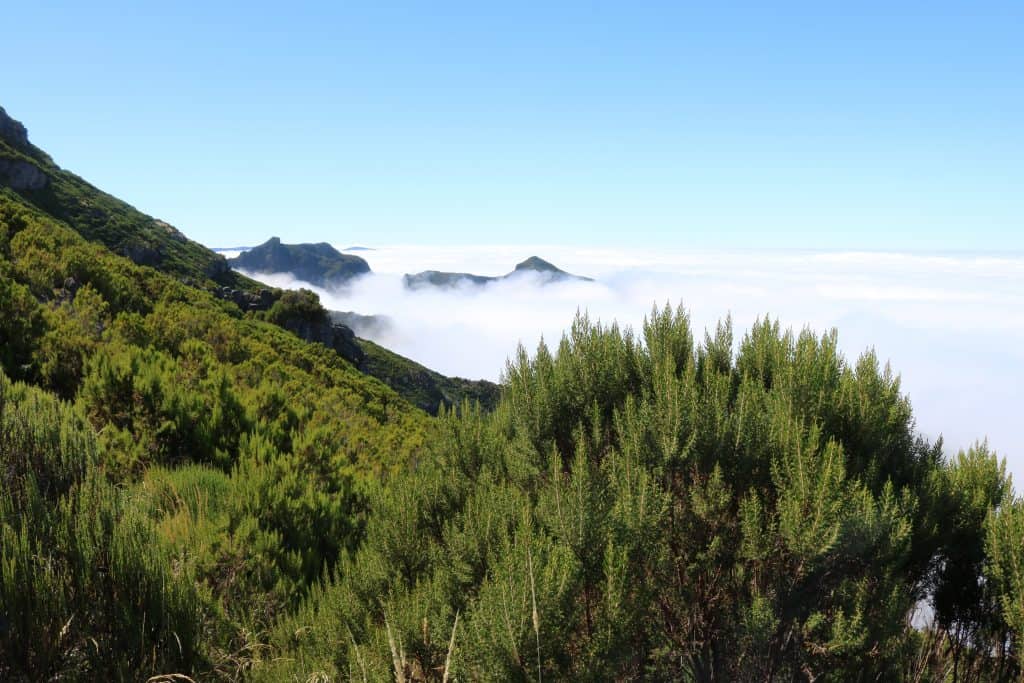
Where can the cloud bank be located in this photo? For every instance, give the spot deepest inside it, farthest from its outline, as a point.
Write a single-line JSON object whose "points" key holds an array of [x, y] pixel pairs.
{"points": [[951, 325]]}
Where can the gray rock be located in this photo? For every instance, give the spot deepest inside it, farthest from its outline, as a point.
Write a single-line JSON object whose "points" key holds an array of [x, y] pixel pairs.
{"points": [[217, 267], [172, 232], [261, 300], [142, 254], [22, 175]]}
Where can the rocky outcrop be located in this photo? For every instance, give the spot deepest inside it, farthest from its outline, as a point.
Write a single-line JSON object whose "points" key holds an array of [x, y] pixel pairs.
{"points": [[22, 175], [13, 132], [260, 300], [332, 335], [142, 254], [171, 231], [535, 264], [217, 267]]}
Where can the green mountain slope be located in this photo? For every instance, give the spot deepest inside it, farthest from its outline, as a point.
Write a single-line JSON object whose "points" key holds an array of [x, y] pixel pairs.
{"points": [[177, 474], [99, 217], [30, 177], [423, 387]]}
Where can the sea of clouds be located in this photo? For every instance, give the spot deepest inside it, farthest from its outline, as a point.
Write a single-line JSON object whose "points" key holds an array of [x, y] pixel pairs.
{"points": [[952, 325]]}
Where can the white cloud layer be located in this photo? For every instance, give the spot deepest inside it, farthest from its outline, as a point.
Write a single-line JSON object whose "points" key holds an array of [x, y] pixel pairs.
{"points": [[952, 325]]}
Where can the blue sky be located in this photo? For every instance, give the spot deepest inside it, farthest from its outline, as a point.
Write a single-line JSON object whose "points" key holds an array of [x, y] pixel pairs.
{"points": [[871, 126]]}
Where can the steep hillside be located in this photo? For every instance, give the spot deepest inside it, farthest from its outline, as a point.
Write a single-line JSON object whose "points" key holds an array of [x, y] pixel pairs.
{"points": [[423, 387], [177, 474], [29, 177], [175, 397], [99, 217]]}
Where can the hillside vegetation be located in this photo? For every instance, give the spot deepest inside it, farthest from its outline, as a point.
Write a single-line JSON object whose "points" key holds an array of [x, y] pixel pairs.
{"points": [[194, 492], [101, 218], [667, 509]]}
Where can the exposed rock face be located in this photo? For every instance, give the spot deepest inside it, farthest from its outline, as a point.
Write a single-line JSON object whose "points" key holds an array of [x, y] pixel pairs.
{"points": [[142, 254], [13, 131], [172, 232], [248, 301], [21, 175], [367, 326], [217, 267], [318, 264], [69, 290], [332, 335]]}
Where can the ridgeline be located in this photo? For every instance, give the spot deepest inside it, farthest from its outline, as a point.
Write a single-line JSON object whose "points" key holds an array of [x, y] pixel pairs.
{"points": [[545, 273]]}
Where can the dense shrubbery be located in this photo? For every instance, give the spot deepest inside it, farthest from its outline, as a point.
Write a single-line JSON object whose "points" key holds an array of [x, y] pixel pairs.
{"points": [[660, 508], [189, 490], [87, 586], [189, 475]]}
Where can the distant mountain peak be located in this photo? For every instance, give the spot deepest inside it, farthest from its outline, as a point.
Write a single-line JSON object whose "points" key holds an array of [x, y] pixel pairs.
{"points": [[319, 264], [536, 263], [547, 271]]}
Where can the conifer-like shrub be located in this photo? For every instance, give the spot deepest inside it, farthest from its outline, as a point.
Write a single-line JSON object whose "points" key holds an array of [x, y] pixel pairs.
{"points": [[658, 507]]}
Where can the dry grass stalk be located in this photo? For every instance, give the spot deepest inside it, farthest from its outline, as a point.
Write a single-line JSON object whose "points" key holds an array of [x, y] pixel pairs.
{"points": [[170, 678], [359, 655], [451, 646], [397, 656]]}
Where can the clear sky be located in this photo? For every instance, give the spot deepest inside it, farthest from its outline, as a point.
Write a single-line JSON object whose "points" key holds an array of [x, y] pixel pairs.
{"points": [[888, 125]]}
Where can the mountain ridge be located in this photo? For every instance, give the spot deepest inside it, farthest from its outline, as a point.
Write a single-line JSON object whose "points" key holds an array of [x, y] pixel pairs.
{"points": [[547, 271], [319, 264]]}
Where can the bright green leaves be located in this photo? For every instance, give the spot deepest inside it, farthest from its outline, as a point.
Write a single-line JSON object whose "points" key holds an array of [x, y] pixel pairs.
{"points": [[523, 611], [85, 584], [152, 408], [813, 498], [681, 513], [75, 330], [1004, 544]]}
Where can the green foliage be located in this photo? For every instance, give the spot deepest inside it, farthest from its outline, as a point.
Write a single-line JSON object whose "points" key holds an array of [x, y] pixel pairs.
{"points": [[1005, 567], [664, 508], [207, 472], [106, 220], [87, 590], [187, 490], [427, 390], [21, 325], [297, 307], [158, 409]]}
